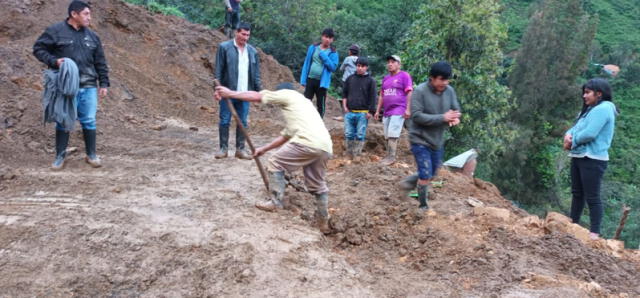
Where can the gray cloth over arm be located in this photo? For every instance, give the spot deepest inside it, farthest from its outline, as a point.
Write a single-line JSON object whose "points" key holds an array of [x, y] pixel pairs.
{"points": [[61, 87]]}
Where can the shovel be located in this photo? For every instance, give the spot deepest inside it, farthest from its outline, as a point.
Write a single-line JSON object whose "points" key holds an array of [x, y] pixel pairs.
{"points": [[263, 173]]}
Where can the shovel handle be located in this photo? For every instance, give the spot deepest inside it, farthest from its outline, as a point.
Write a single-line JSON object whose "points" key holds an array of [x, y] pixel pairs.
{"points": [[263, 173]]}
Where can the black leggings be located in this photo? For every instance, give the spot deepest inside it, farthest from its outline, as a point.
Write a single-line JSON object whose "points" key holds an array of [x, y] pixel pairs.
{"points": [[586, 177], [313, 88]]}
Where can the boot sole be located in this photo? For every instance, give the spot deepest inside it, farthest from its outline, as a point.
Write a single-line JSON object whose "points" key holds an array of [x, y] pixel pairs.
{"points": [[266, 209], [57, 169]]}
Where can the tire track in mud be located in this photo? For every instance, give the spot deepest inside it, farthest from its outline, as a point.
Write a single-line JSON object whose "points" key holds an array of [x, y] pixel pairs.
{"points": [[162, 217]]}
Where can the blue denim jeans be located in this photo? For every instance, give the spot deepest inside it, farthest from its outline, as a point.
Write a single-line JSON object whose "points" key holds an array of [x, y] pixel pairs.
{"points": [[427, 160], [87, 105], [242, 108], [355, 126]]}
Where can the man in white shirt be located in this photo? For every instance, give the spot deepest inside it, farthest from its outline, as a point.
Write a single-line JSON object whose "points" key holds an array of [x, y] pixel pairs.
{"points": [[237, 68]]}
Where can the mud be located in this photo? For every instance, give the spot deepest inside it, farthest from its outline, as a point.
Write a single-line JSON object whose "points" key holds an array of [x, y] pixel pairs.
{"points": [[162, 218]]}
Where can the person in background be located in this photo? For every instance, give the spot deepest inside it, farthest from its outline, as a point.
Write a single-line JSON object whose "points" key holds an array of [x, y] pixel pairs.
{"points": [[588, 142], [321, 61], [231, 17], [434, 108], [359, 101], [348, 67], [237, 68], [73, 39], [395, 97]]}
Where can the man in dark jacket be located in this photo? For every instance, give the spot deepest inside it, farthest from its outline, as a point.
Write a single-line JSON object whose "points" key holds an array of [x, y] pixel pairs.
{"points": [[73, 39], [237, 68], [359, 104]]}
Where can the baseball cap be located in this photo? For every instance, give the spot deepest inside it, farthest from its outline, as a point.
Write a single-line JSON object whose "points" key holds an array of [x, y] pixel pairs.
{"points": [[394, 57]]}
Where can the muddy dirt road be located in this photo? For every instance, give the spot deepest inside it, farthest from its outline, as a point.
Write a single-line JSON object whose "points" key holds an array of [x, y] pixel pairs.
{"points": [[163, 218]]}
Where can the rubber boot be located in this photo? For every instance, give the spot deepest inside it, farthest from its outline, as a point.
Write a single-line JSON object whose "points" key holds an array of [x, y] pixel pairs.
{"points": [[62, 140], [227, 32], [409, 183], [423, 194], [322, 212], [350, 145], [223, 132], [392, 146], [277, 200], [241, 153], [357, 147], [90, 147], [357, 151]]}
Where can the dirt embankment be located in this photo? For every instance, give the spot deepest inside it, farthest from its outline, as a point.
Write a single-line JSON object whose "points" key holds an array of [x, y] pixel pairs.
{"points": [[163, 218]]}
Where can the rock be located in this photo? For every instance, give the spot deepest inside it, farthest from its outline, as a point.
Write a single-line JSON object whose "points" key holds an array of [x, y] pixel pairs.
{"points": [[353, 237], [473, 202], [493, 212], [531, 222], [556, 222], [159, 127], [193, 128], [616, 247], [8, 174], [33, 145]]}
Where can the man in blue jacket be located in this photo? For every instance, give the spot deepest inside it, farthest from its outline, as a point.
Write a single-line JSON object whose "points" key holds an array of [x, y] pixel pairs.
{"points": [[73, 39], [237, 68], [320, 63]]}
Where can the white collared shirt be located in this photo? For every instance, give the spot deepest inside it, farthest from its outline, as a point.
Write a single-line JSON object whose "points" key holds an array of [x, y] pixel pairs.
{"points": [[243, 68]]}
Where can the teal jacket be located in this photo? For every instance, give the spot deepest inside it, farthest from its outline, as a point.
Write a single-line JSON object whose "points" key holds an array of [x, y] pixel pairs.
{"points": [[330, 62], [593, 132]]}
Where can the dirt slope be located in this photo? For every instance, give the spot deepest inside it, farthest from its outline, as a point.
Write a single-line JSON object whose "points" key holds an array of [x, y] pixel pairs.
{"points": [[163, 218]]}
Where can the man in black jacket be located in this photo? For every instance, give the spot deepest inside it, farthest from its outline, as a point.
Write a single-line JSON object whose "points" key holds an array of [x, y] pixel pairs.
{"points": [[359, 104], [237, 68], [73, 39]]}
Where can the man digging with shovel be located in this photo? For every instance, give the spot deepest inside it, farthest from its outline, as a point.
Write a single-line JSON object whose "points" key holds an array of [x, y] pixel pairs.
{"points": [[304, 143]]}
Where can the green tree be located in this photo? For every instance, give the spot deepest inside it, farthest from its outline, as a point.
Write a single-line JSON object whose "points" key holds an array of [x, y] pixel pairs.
{"points": [[468, 34], [285, 28], [554, 52]]}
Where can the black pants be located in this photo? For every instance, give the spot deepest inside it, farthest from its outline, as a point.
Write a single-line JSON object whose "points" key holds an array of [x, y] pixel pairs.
{"points": [[313, 88], [586, 178]]}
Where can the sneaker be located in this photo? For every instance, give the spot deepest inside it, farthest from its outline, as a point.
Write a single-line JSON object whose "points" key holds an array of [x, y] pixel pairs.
{"points": [[93, 161], [221, 154], [58, 164], [424, 208], [242, 154]]}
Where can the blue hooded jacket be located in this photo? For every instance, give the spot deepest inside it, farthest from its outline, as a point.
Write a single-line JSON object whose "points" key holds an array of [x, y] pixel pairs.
{"points": [[330, 62], [593, 133]]}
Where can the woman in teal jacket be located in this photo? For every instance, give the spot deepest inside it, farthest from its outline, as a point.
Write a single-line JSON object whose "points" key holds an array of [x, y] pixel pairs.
{"points": [[588, 142]]}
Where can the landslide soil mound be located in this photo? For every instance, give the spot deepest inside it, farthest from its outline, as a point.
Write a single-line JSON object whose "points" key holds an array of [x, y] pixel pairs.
{"points": [[163, 218]]}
